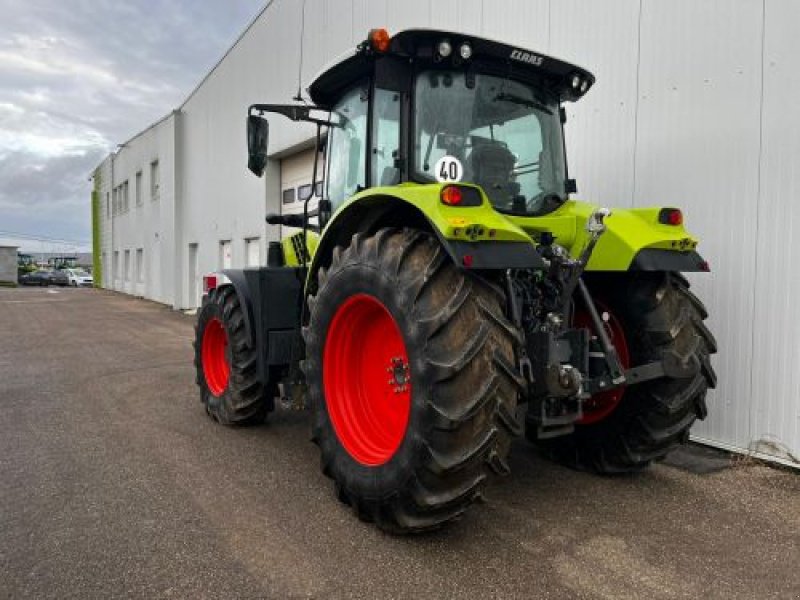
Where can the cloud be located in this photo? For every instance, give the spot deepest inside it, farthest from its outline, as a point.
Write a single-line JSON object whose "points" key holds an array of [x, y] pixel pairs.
{"points": [[79, 77]]}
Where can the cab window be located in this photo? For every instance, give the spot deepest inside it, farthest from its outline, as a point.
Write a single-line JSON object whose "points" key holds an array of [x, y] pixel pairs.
{"points": [[385, 138], [346, 173]]}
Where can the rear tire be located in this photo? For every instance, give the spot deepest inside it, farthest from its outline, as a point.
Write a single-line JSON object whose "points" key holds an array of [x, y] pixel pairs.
{"points": [[659, 316], [225, 361], [462, 388]]}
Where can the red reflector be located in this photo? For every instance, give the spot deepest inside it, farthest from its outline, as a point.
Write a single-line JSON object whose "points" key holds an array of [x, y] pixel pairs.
{"points": [[209, 283], [467, 260], [379, 40], [670, 216], [705, 266], [451, 195]]}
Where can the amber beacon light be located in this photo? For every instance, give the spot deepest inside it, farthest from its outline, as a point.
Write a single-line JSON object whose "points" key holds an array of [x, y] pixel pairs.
{"points": [[379, 40]]}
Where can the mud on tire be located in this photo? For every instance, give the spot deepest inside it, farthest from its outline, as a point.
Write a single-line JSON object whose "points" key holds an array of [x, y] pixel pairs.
{"points": [[659, 315], [244, 399], [463, 386]]}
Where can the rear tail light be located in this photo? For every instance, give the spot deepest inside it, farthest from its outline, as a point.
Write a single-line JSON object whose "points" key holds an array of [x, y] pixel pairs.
{"points": [[670, 216], [209, 283], [451, 195], [460, 195]]}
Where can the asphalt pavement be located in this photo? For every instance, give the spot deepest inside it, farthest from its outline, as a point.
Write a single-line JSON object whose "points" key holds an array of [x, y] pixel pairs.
{"points": [[115, 483]]}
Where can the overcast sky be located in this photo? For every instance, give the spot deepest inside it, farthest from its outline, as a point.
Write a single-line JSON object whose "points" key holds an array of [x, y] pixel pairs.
{"points": [[77, 77]]}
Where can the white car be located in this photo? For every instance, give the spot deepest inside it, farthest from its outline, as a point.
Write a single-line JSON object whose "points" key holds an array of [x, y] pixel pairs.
{"points": [[79, 278]]}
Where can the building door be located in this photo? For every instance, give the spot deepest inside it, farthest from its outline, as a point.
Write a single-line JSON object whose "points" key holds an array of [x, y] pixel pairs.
{"points": [[193, 299], [253, 252], [154, 271], [126, 285], [139, 287], [225, 255]]}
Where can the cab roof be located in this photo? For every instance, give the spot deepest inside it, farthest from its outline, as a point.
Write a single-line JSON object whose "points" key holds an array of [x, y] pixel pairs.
{"points": [[419, 46]]}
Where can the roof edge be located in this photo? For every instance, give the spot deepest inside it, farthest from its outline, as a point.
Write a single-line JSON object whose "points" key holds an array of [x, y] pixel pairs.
{"points": [[227, 52]]}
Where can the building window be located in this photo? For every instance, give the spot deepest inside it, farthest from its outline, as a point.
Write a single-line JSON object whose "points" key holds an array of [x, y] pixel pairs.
{"points": [[127, 266], [108, 205], [138, 188], [304, 192], [139, 265], [252, 252], [155, 181], [116, 264], [126, 199], [288, 196], [225, 254]]}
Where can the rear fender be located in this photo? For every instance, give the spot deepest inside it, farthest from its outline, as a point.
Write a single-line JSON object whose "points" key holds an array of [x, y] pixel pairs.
{"points": [[475, 237], [270, 300], [634, 238], [235, 278]]}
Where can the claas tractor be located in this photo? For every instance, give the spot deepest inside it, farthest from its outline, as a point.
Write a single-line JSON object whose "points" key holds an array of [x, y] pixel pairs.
{"points": [[443, 293]]}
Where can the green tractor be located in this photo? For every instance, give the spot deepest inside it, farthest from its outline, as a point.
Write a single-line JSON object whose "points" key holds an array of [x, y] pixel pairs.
{"points": [[447, 294]]}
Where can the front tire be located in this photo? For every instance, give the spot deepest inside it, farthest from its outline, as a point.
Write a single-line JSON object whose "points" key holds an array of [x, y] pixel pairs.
{"points": [[659, 318], [225, 361], [410, 373]]}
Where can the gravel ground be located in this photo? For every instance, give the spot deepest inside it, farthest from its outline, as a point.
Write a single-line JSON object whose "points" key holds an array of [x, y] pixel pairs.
{"points": [[113, 482]]}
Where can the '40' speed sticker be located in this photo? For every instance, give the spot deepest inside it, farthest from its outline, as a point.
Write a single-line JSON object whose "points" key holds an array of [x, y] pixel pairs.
{"points": [[448, 169]]}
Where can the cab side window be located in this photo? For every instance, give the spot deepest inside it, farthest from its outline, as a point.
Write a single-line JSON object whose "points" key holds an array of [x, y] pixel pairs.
{"points": [[385, 138], [346, 153]]}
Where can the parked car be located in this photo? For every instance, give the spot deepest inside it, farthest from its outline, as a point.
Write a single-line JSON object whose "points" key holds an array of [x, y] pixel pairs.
{"points": [[59, 277], [40, 278], [79, 278]]}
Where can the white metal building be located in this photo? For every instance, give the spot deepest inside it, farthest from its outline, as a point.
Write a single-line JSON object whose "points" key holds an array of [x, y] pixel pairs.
{"points": [[695, 105]]}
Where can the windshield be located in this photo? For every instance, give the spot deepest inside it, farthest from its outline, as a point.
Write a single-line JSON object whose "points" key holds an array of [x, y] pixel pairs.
{"points": [[505, 134]]}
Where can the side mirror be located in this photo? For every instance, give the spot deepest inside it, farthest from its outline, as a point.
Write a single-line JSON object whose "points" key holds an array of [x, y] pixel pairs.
{"points": [[257, 139]]}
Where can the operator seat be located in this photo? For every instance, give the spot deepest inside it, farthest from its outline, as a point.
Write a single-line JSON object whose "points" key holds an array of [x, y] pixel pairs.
{"points": [[493, 169]]}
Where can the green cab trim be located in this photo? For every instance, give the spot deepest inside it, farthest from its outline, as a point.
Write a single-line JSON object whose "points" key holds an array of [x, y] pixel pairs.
{"points": [[97, 263], [292, 247]]}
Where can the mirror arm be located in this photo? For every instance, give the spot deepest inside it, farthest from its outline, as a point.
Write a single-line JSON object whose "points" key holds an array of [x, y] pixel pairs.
{"points": [[290, 111]]}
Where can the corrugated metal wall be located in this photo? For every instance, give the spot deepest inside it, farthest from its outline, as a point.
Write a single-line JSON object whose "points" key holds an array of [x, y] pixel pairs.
{"points": [[696, 105]]}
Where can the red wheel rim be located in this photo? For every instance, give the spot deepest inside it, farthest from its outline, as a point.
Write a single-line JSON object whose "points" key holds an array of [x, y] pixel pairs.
{"points": [[216, 368], [367, 380], [599, 406]]}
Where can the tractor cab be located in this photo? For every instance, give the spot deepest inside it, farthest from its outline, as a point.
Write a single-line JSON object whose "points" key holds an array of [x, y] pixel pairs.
{"points": [[429, 107]]}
